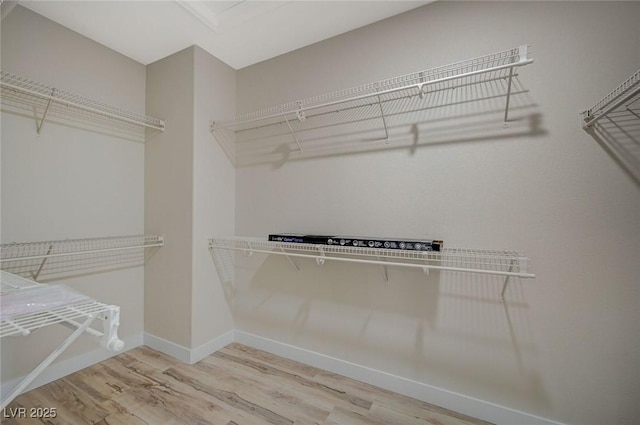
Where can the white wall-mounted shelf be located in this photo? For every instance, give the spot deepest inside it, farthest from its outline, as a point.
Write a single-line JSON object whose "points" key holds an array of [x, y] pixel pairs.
{"points": [[493, 262], [620, 98], [77, 316], [614, 122], [34, 258], [317, 117], [17, 89]]}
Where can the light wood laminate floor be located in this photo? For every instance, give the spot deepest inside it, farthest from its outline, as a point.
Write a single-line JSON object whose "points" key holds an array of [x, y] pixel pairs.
{"points": [[237, 385]]}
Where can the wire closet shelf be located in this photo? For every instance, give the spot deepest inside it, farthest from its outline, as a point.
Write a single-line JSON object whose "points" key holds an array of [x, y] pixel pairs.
{"points": [[77, 315], [620, 98], [494, 262], [50, 257], [20, 89], [339, 106]]}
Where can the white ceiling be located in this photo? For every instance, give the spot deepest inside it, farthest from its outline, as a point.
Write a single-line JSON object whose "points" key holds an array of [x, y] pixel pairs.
{"points": [[238, 32]]}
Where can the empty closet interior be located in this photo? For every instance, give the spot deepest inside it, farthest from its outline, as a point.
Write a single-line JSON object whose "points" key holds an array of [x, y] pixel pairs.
{"points": [[137, 199]]}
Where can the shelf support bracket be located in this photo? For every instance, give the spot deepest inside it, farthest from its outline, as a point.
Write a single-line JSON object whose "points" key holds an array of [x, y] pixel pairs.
{"points": [[384, 121], [293, 134], [46, 110], [321, 258], [248, 252], [522, 266], [295, 266], [506, 109], [504, 286], [383, 267], [35, 275]]}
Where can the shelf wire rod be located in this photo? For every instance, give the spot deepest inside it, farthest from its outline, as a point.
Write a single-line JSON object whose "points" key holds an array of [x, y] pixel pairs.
{"points": [[46, 362], [23, 331], [293, 134], [320, 259], [89, 251], [71, 322], [232, 123]]}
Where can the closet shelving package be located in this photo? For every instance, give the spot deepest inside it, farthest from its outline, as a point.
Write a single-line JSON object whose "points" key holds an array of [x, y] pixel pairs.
{"points": [[77, 315], [378, 102], [42, 97], [493, 262]]}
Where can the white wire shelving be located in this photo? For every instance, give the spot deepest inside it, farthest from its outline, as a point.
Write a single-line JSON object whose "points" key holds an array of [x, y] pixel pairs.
{"points": [[493, 262], [42, 97], [614, 122], [34, 259], [621, 97], [77, 316], [344, 111]]}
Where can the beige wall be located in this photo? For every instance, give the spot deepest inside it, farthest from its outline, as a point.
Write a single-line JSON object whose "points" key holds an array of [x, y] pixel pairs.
{"points": [[77, 179], [214, 195], [169, 198], [189, 197], [565, 345]]}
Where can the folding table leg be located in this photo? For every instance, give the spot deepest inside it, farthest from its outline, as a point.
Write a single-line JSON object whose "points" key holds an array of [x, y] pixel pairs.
{"points": [[46, 362]]}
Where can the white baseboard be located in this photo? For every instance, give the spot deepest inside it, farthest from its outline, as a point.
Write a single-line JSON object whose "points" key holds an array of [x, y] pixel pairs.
{"points": [[167, 347], [476, 408], [188, 355], [68, 366], [211, 347]]}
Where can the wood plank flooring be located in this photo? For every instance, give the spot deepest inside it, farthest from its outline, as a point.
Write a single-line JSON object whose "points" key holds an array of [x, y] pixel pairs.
{"points": [[237, 385]]}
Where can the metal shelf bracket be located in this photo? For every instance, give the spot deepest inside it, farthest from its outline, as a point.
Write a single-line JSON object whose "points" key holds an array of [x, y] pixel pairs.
{"points": [[295, 266], [46, 110], [385, 272], [384, 121], [321, 258], [293, 133]]}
